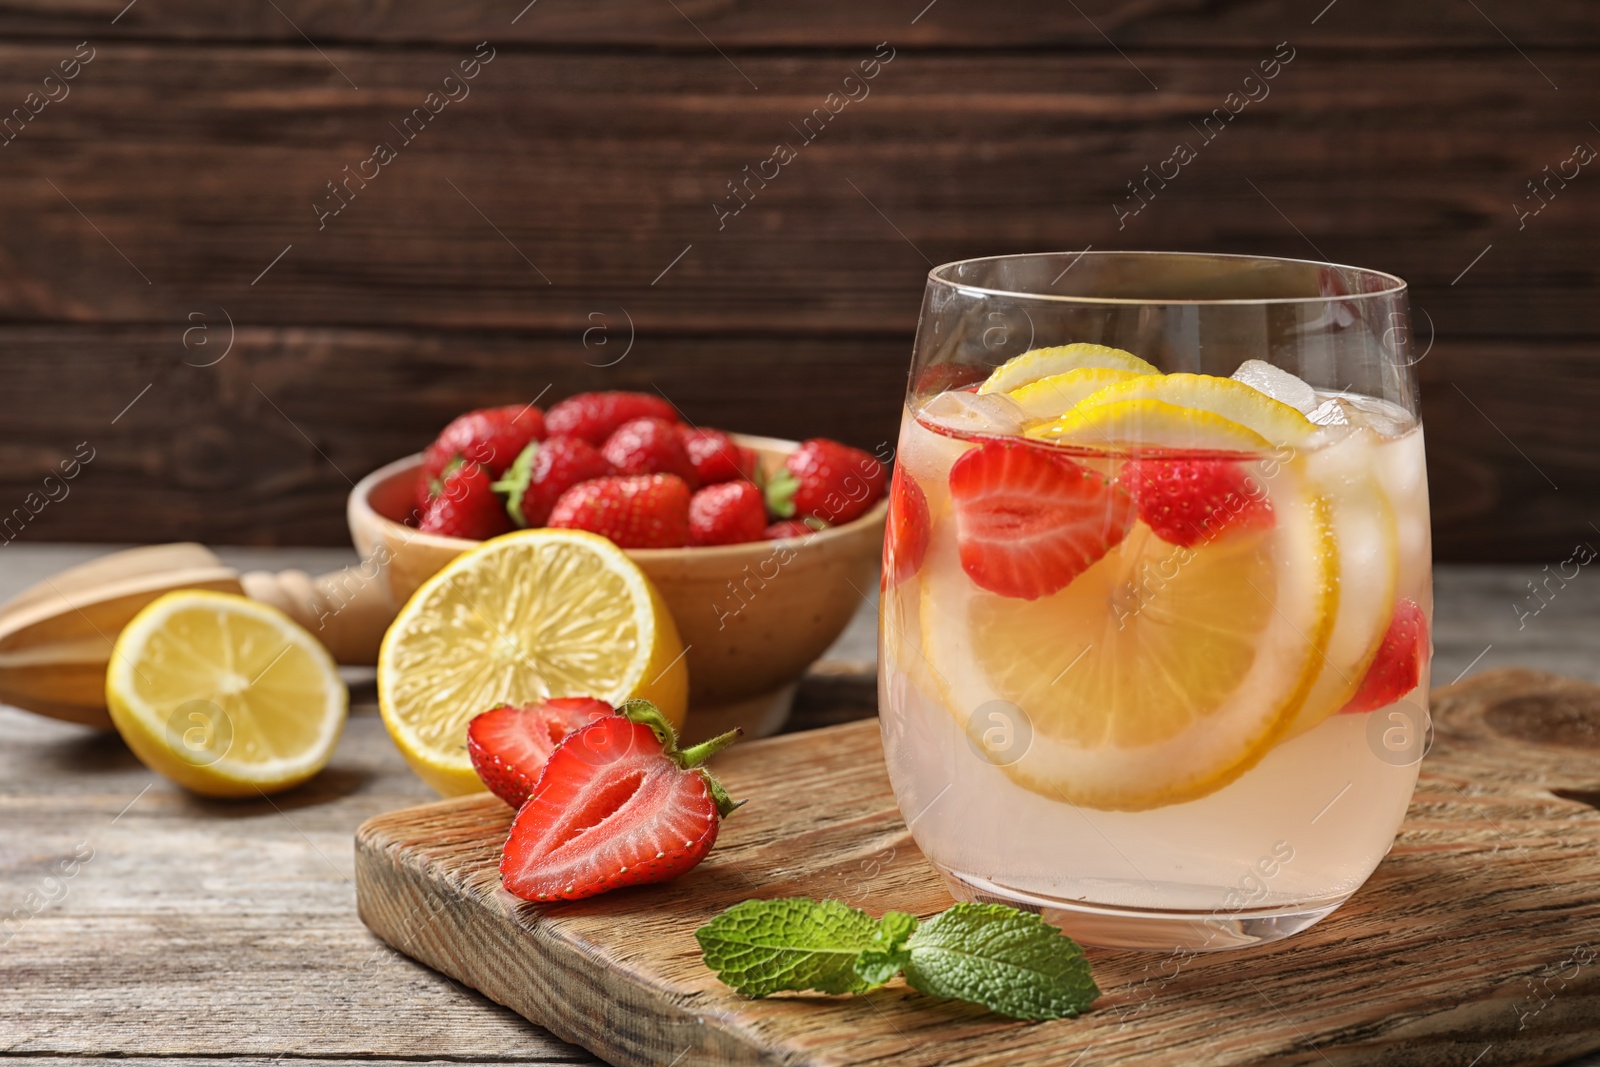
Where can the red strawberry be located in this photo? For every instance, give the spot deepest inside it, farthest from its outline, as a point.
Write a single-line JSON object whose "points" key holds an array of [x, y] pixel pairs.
{"points": [[906, 539], [465, 506], [509, 746], [792, 528], [1029, 521], [1397, 667], [646, 511], [649, 446], [617, 805], [1187, 501], [595, 416], [822, 478], [543, 472], [938, 378], [716, 456], [727, 514], [490, 437]]}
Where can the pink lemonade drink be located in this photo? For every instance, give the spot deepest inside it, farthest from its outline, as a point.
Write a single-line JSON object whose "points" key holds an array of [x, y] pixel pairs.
{"points": [[1154, 643]]}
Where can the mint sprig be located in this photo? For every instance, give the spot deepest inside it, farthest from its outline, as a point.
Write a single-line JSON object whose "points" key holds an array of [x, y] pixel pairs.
{"points": [[1012, 962], [1009, 961], [764, 946]]}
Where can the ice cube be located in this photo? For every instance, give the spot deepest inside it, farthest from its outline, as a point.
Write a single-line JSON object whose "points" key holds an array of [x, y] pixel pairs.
{"points": [[1277, 383], [1329, 413], [969, 413], [1379, 416]]}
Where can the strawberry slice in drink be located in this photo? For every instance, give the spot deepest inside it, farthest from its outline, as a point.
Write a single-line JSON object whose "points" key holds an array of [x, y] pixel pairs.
{"points": [[906, 536], [1397, 667], [1029, 521], [1190, 501]]}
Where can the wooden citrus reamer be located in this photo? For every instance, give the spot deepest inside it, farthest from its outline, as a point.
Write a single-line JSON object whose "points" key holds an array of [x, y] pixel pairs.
{"points": [[56, 636]]}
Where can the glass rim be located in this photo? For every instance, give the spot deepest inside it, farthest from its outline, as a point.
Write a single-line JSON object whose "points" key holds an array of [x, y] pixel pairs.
{"points": [[1393, 285]]}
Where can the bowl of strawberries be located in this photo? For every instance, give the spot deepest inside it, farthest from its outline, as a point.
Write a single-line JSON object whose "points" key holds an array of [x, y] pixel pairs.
{"points": [[763, 549]]}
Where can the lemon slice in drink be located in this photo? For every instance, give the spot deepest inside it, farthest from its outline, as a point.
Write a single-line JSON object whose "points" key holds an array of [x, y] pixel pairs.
{"points": [[1057, 394], [1368, 570], [1148, 424], [1223, 397], [1160, 674], [529, 615], [224, 695], [1043, 362]]}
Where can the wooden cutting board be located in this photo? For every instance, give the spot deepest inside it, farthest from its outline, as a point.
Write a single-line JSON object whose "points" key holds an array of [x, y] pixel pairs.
{"points": [[1476, 942]]}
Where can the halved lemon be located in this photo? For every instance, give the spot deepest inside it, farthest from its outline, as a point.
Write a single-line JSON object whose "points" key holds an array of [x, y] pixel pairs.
{"points": [[1043, 362], [1235, 401], [1148, 424], [224, 695], [524, 616], [1160, 674], [1057, 394]]}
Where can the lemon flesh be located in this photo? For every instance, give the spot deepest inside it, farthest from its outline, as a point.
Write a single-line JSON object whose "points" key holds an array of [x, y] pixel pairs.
{"points": [[1040, 363], [1055, 395], [529, 615], [1160, 674], [1142, 424], [1225, 398], [224, 695]]}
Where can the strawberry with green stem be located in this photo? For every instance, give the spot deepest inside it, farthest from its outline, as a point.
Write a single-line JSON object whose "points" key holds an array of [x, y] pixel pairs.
{"points": [[825, 480], [545, 470], [618, 804], [489, 437]]}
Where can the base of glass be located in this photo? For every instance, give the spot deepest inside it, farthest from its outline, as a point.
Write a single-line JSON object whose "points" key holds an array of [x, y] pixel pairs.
{"points": [[1149, 929]]}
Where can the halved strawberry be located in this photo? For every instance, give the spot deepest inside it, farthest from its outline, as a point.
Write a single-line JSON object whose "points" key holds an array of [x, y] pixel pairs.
{"points": [[1187, 501], [906, 538], [1028, 521], [509, 746], [1397, 667], [617, 805]]}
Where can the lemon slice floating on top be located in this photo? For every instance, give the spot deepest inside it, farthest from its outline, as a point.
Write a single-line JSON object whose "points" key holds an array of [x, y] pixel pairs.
{"points": [[1043, 362], [529, 615], [1225, 398], [224, 695], [1148, 424], [1057, 394]]}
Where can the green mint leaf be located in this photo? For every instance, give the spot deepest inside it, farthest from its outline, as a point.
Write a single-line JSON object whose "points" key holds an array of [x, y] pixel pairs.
{"points": [[764, 946], [888, 956], [1011, 962]]}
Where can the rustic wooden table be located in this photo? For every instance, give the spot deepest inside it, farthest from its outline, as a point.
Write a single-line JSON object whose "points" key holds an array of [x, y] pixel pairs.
{"points": [[196, 929]]}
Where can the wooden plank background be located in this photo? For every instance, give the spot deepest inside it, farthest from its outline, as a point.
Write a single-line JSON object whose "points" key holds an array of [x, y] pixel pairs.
{"points": [[567, 201]]}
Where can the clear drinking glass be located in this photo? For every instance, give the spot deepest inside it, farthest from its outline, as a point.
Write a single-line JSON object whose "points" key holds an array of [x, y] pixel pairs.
{"points": [[1157, 590]]}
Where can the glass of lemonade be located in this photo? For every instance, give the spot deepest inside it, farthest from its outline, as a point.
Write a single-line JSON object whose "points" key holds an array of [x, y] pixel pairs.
{"points": [[1157, 591]]}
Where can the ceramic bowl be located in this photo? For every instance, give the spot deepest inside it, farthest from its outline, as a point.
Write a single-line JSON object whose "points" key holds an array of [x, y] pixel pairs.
{"points": [[753, 616]]}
